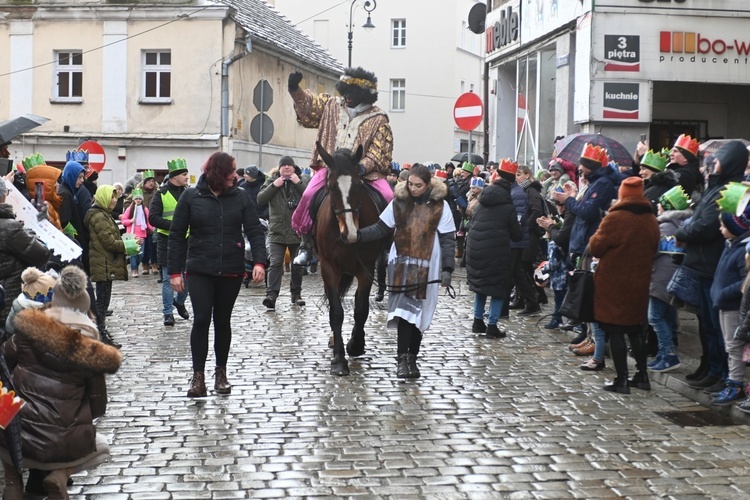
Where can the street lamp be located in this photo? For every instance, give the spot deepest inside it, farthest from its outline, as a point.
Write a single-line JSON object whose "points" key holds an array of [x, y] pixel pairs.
{"points": [[369, 6]]}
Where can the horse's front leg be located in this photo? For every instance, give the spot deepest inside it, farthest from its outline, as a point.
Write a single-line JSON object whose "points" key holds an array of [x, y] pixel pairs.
{"points": [[339, 364], [356, 345]]}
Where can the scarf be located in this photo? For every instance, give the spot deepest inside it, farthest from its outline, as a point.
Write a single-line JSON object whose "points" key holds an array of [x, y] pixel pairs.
{"points": [[525, 184], [140, 217]]}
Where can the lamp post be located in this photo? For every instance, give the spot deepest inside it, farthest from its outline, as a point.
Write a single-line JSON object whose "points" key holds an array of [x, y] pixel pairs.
{"points": [[369, 6]]}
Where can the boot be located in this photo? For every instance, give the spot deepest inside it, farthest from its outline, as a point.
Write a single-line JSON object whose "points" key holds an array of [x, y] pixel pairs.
{"points": [[402, 366], [620, 385], [106, 338], [699, 372], [516, 304], [303, 253], [619, 349], [221, 385], [56, 484], [478, 326], [411, 364], [297, 299], [640, 381], [493, 332], [13, 483], [197, 386]]}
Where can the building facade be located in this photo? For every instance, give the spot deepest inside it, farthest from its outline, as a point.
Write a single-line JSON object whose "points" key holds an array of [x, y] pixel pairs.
{"points": [[623, 68], [423, 55], [151, 82]]}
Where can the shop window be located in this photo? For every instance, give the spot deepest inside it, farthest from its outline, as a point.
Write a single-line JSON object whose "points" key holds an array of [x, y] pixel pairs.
{"points": [[664, 133], [157, 77], [398, 95], [69, 77], [398, 29]]}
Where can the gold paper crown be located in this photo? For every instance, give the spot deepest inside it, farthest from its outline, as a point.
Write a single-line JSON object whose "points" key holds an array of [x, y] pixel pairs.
{"points": [[734, 198], [359, 82], [688, 144], [655, 161], [10, 405], [508, 165], [595, 153], [176, 164]]}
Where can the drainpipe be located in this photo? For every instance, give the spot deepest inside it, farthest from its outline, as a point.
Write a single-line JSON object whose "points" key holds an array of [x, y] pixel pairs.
{"points": [[225, 96]]}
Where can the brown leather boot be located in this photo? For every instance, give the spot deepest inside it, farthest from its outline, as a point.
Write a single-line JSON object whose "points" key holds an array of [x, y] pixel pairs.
{"points": [[56, 484], [197, 386], [221, 385], [13, 483]]}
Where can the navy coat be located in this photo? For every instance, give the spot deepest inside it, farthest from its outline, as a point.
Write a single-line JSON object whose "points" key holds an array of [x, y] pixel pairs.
{"points": [[590, 209]]}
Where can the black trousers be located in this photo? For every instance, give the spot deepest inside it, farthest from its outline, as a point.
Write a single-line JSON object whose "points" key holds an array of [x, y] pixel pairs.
{"points": [[616, 336], [103, 297], [409, 338], [521, 280]]}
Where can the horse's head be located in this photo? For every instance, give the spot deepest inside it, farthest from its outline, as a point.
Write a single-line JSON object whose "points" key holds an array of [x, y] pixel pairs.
{"points": [[345, 188]]}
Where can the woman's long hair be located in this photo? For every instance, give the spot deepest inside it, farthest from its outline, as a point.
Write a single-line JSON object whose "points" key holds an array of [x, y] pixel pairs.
{"points": [[216, 169]]}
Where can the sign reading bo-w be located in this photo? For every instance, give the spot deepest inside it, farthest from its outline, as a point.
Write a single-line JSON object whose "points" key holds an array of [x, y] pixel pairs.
{"points": [[468, 111]]}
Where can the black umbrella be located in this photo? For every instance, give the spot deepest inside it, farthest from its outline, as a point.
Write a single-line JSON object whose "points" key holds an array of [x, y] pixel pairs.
{"points": [[462, 157], [10, 129], [570, 148]]}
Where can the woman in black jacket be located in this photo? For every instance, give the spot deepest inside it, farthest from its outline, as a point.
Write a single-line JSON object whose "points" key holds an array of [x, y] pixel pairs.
{"points": [[212, 254], [488, 266]]}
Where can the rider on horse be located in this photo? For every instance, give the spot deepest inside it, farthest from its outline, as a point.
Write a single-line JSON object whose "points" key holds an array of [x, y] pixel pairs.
{"points": [[342, 122]]}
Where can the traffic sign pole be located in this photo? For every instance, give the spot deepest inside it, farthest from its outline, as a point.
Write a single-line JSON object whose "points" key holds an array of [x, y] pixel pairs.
{"points": [[260, 144], [468, 113]]}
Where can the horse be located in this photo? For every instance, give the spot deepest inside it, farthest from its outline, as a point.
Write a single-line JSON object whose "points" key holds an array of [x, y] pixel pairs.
{"points": [[347, 207]]}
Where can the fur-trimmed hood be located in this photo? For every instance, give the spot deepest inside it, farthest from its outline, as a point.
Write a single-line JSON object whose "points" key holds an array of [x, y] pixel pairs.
{"points": [[65, 343], [438, 190]]}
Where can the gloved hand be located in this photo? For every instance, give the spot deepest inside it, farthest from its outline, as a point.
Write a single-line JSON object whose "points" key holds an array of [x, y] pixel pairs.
{"points": [[294, 79], [362, 169], [445, 279], [43, 214]]}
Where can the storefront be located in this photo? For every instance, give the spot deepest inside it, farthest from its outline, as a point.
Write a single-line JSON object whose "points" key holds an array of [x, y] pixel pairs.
{"points": [[629, 67]]}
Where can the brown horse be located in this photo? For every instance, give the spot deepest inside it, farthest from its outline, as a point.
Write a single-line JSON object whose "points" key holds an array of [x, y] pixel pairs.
{"points": [[347, 207]]}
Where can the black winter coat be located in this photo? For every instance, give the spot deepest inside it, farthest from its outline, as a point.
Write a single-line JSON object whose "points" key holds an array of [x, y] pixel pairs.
{"points": [[155, 212], [688, 176], [535, 210], [657, 185], [215, 246], [253, 188], [488, 243]]}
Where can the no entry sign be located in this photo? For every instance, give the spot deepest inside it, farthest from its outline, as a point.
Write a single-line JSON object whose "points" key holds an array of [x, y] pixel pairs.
{"points": [[468, 111], [97, 158]]}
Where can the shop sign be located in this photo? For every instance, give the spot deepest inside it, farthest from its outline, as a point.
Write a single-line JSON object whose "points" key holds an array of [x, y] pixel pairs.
{"points": [[618, 101], [540, 17], [662, 1], [622, 53], [504, 31]]}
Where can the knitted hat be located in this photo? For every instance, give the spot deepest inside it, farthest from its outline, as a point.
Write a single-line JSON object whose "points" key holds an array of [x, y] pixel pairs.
{"points": [[468, 167], [477, 182], [403, 175], [252, 171], [287, 160], [36, 285], [137, 193], [632, 187], [554, 165], [70, 290], [736, 225]]}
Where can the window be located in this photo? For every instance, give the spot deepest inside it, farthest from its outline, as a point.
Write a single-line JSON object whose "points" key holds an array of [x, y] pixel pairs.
{"points": [[463, 87], [69, 81], [399, 33], [398, 95], [157, 76]]}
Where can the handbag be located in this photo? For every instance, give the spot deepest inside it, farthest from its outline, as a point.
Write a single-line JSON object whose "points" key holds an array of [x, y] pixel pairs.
{"points": [[578, 303], [686, 286]]}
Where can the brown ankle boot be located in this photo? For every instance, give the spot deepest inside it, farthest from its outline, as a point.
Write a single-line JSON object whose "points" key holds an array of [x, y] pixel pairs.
{"points": [[13, 483], [221, 385], [197, 386], [56, 484]]}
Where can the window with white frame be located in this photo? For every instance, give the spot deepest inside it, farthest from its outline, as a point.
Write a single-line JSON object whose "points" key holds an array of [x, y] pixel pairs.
{"points": [[69, 76], [157, 76], [398, 95], [398, 29]]}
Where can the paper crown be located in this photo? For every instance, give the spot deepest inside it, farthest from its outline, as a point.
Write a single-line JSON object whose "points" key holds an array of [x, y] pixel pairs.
{"points": [[655, 161], [734, 198], [668, 244], [10, 405], [688, 144], [441, 174], [176, 164], [595, 153], [508, 166], [137, 193], [32, 161], [675, 199], [79, 155], [468, 167], [477, 182], [148, 174], [395, 167]]}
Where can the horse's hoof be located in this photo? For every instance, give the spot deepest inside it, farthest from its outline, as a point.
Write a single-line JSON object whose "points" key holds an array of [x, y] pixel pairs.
{"points": [[330, 342], [340, 368]]}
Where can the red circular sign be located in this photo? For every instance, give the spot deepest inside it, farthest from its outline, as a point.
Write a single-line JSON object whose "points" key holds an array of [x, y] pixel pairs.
{"points": [[468, 111], [97, 158]]}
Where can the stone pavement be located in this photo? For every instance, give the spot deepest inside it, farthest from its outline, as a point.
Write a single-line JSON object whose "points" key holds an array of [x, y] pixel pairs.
{"points": [[512, 418]]}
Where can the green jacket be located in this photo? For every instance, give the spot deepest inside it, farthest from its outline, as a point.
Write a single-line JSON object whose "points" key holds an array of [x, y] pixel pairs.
{"points": [[280, 209], [107, 260]]}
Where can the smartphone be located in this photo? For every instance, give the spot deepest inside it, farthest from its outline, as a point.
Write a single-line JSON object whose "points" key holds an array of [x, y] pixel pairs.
{"points": [[6, 165], [39, 195], [643, 137]]}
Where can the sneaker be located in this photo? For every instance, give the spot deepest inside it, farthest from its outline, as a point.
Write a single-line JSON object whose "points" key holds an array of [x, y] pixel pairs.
{"points": [[716, 389], [270, 303], [569, 325], [593, 365], [744, 406], [667, 363], [168, 320], [552, 325], [654, 361], [530, 311], [134, 274], [731, 393]]}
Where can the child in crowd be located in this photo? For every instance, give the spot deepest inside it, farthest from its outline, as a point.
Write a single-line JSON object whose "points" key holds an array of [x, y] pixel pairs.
{"points": [[557, 267], [135, 220], [726, 295], [36, 291], [742, 335]]}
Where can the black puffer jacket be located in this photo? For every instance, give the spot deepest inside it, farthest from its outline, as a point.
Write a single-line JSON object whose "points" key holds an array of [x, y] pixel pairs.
{"points": [[704, 242], [488, 242], [253, 188], [155, 217], [535, 210], [215, 245], [657, 185], [688, 176]]}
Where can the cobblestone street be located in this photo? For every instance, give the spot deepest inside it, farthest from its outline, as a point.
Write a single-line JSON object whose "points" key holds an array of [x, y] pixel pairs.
{"points": [[511, 418]]}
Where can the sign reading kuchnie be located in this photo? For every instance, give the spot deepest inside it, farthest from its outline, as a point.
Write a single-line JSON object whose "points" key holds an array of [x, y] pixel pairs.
{"points": [[621, 101], [622, 53]]}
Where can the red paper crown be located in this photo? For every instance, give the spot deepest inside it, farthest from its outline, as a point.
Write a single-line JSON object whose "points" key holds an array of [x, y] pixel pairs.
{"points": [[10, 405], [688, 144], [508, 165], [441, 174], [595, 153]]}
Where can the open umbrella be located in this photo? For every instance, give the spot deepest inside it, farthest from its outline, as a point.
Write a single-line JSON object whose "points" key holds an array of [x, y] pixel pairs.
{"points": [[10, 129], [570, 148], [711, 146], [462, 157]]}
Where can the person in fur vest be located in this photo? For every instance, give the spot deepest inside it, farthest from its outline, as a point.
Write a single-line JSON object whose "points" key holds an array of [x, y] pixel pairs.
{"points": [[58, 366], [422, 255], [36, 291], [625, 244]]}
